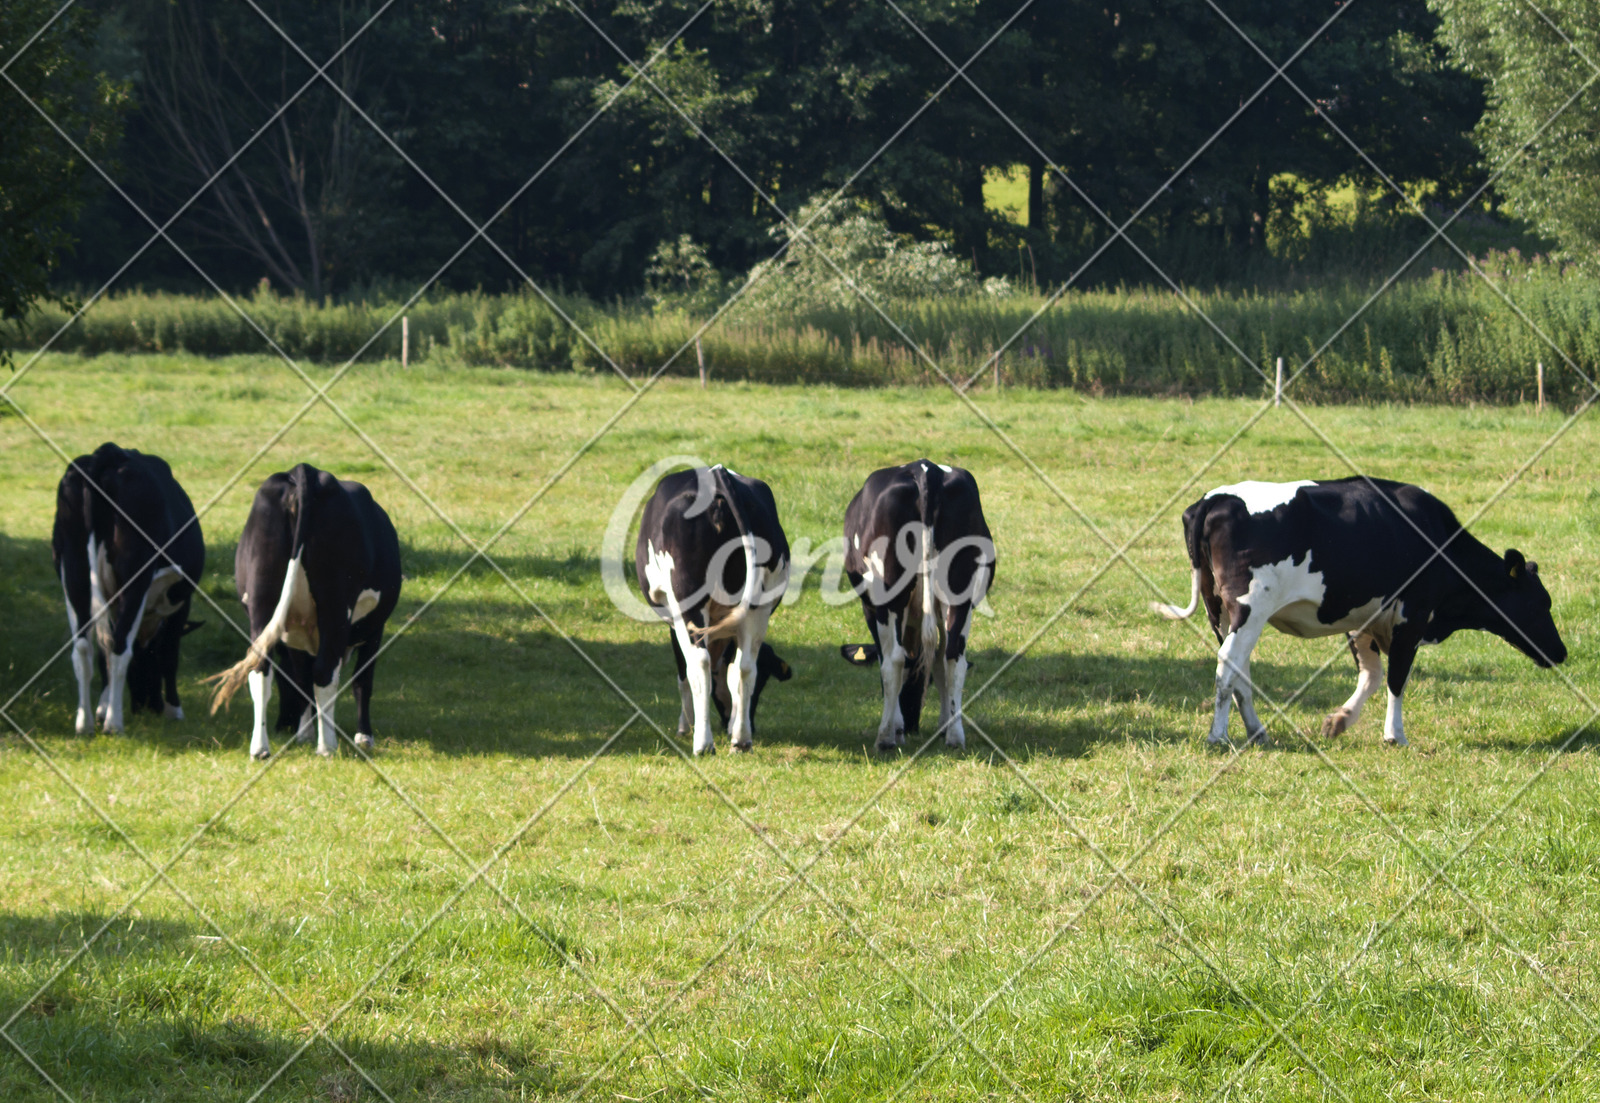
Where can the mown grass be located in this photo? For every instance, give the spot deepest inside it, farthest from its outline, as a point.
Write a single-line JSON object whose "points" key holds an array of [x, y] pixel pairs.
{"points": [[653, 880], [1448, 337]]}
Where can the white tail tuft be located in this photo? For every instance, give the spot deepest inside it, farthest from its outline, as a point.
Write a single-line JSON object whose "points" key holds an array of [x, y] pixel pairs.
{"points": [[1172, 612]]}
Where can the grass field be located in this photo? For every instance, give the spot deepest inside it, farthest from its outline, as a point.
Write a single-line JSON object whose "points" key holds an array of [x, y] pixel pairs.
{"points": [[959, 930]]}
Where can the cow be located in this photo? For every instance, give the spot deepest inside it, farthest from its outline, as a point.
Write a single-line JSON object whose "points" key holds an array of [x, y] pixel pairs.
{"points": [[1356, 556], [128, 550], [713, 561], [318, 567], [919, 554]]}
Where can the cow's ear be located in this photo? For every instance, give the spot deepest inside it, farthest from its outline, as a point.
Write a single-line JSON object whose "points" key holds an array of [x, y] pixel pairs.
{"points": [[1515, 563], [860, 654]]}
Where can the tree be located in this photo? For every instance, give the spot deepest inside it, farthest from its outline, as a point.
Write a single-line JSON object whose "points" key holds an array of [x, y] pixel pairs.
{"points": [[41, 177], [1547, 150]]}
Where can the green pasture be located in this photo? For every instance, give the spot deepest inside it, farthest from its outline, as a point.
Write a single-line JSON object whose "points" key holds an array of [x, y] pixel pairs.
{"points": [[1281, 930]]}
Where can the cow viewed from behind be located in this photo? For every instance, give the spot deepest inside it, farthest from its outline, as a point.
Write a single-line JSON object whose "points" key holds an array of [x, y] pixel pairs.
{"points": [[1354, 556], [918, 552], [318, 567], [128, 550], [713, 561]]}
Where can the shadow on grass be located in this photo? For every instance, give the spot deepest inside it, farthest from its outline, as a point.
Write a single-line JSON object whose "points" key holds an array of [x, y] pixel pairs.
{"points": [[485, 675], [137, 1018]]}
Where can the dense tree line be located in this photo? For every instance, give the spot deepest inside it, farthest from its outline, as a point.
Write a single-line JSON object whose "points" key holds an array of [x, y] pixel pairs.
{"points": [[793, 99]]}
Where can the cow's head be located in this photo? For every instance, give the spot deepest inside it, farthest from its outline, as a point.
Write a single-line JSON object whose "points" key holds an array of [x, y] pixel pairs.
{"points": [[1525, 603], [1517, 610]]}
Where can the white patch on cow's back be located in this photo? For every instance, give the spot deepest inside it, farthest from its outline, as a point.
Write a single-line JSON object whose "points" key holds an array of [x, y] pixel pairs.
{"points": [[1262, 497], [366, 602], [944, 467], [658, 567]]}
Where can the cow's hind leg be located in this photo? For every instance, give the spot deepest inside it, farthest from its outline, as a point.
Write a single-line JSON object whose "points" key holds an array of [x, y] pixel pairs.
{"points": [[1369, 666], [366, 659], [742, 676], [260, 697], [1233, 673], [892, 664]]}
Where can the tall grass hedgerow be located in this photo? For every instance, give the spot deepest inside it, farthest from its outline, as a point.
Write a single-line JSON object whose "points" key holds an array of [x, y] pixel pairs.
{"points": [[1448, 337]]}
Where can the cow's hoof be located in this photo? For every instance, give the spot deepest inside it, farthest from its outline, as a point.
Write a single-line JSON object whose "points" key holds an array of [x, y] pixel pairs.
{"points": [[1259, 739], [82, 724], [1213, 743], [742, 748], [305, 735], [363, 742], [261, 756], [1334, 723], [173, 712], [1396, 741], [887, 748]]}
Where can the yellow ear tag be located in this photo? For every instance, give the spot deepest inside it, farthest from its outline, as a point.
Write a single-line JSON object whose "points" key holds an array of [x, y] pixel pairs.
{"points": [[861, 654]]}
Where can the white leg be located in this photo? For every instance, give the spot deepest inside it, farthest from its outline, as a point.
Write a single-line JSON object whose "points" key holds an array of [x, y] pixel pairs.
{"points": [[327, 737], [172, 712], [117, 670], [260, 696], [892, 666], [1394, 730], [117, 676], [1244, 696], [1233, 659], [742, 677], [83, 669], [698, 663], [102, 710], [686, 709], [1370, 666], [955, 681], [308, 724]]}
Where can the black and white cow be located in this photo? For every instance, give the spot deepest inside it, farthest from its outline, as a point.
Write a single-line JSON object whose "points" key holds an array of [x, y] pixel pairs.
{"points": [[712, 560], [1354, 556], [919, 553], [318, 566], [128, 550]]}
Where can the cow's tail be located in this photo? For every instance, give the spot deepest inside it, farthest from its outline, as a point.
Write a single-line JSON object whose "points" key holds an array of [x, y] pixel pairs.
{"points": [[294, 578], [928, 496], [734, 616], [1194, 519]]}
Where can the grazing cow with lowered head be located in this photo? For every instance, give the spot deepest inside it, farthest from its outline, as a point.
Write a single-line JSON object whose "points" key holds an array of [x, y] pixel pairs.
{"points": [[713, 561], [917, 550], [318, 567], [128, 550], [1357, 556]]}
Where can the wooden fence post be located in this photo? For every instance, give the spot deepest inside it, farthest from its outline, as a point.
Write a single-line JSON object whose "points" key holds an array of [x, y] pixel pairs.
{"points": [[1277, 385], [405, 341], [700, 355], [1539, 372]]}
